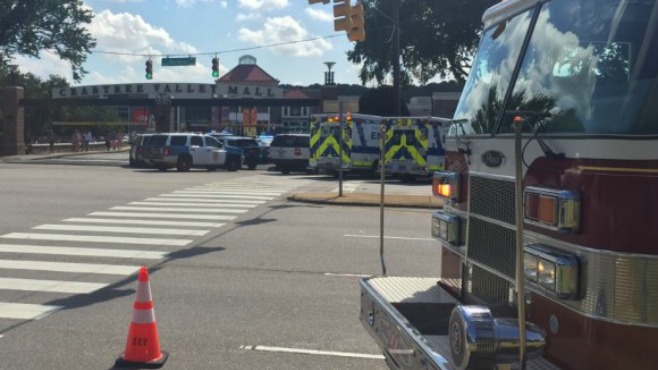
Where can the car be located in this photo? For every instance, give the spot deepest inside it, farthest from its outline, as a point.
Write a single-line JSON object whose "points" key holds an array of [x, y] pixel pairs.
{"points": [[184, 151], [136, 158], [249, 146], [290, 152]]}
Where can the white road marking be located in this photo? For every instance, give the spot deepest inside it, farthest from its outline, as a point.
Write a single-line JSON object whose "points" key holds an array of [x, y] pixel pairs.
{"points": [[123, 230], [92, 252], [214, 196], [22, 311], [202, 205], [312, 352], [160, 215], [50, 286], [390, 237], [143, 222], [97, 239], [171, 209], [347, 275], [88, 268], [210, 191], [206, 200]]}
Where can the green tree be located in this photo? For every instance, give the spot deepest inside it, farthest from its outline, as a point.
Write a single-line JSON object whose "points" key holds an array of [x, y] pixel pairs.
{"points": [[437, 38], [376, 102], [29, 26]]}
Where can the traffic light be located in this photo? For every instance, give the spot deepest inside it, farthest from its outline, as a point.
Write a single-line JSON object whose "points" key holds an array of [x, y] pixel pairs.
{"points": [[318, 1], [358, 30], [342, 15], [149, 69], [215, 67]]}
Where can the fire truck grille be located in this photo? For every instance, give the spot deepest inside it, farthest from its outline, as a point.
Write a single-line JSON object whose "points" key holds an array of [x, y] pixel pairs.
{"points": [[491, 290], [493, 198], [492, 245]]}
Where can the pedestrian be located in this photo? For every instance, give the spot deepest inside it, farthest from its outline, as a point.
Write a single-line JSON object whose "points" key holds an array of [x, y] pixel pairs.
{"points": [[51, 140], [87, 139], [107, 142]]}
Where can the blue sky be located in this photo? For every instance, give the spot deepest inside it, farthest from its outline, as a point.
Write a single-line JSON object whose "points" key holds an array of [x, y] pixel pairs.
{"points": [[135, 28]]}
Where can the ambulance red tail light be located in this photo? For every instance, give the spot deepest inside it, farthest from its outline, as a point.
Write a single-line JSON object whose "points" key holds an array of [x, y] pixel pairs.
{"points": [[446, 185], [553, 209]]}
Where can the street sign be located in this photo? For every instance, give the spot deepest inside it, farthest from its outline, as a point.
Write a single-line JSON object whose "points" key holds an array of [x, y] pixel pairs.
{"points": [[175, 62]]}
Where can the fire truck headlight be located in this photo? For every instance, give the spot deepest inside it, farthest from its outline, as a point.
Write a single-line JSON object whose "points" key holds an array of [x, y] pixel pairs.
{"points": [[551, 270], [530, 266], [445, 227]]}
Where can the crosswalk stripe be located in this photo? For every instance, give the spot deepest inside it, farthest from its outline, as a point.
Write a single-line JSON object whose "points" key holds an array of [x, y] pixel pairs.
{"points": [[171, 209], [161, 215], [87, 268], [144, 222], [239, 205], [123, 230], [24, 311], [89, 252], [215, 196], [207, 201], [50, 286], [210, 191], [97, 239]]}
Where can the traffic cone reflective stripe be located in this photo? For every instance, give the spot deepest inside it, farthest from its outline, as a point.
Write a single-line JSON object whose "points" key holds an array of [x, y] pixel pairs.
{"points": [[143, 344]]}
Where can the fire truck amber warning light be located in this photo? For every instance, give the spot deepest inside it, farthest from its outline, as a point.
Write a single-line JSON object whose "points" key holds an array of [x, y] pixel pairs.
{"points": [[446, 185], [553, 209]]}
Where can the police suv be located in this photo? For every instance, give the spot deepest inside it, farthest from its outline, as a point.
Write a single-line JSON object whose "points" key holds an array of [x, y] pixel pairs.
{"points": [[187, 150]]}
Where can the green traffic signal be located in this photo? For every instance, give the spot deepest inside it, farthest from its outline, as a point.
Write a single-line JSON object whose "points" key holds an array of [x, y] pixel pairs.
{"points": [[149, 76], [215, 73]]}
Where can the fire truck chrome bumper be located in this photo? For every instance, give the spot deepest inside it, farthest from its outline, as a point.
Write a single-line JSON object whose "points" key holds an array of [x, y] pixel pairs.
{"points": [[408, 318]]}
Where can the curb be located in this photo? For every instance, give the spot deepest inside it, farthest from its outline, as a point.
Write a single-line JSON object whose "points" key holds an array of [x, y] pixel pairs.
{"points": [[368, 199]]}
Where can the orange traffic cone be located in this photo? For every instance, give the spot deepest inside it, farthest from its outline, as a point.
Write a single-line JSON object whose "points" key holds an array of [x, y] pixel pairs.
{"points": [[143, 344]]}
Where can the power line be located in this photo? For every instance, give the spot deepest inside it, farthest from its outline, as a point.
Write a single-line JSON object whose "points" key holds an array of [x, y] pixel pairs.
{"points": [[214, 52]]}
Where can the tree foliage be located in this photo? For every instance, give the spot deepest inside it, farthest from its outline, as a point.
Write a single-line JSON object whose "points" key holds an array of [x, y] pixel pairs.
{"points": [[376, 102], [30, 26], [437, 38]]}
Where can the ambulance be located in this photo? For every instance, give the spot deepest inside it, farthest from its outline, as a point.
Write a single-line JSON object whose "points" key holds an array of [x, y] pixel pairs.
{"points": [[360, 142], [414, 146]]}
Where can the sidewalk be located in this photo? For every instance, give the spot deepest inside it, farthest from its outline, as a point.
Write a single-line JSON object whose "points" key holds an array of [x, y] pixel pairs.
{"points": [[369, 199], [34, 157]]}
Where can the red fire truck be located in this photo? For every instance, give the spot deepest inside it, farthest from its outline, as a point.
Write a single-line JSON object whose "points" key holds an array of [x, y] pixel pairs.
{"points": [[549, 230]]}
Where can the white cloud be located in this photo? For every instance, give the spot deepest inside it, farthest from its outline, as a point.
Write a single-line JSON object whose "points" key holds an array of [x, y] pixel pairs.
{"points": [[188, 3], [247, 17], [264, 5], [223, 4], [319, 15], [285, 30], [48, 64], [116, 31]]}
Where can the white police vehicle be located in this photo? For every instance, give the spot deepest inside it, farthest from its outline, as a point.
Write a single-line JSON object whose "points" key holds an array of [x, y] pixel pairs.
{"points": [[187, 150]]}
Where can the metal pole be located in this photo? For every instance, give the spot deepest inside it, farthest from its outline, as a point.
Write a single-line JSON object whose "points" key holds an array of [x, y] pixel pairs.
{"points": [[396, 63], [520, 278], [340, 148], [382, 177]]}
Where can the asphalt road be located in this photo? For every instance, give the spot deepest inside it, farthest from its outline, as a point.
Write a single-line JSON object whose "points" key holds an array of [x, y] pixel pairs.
{"points": [[282, 276]]}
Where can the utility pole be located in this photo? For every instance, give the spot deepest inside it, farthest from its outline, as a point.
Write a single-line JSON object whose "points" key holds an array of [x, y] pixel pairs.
{"points": [[396, 62]]}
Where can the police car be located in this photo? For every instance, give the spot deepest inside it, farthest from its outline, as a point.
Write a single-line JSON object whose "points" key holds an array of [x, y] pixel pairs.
{"points": [[290, 152], [186, 150]]}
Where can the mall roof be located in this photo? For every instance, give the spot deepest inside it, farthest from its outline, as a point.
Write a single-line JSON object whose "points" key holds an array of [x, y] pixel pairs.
{"points": [[248, 73]]}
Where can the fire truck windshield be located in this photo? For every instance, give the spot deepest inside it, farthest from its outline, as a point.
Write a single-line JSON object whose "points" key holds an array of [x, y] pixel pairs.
{"points": [[591, 64]]}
